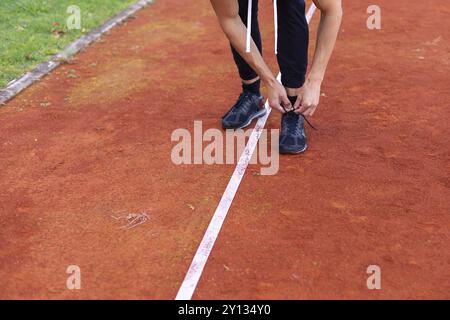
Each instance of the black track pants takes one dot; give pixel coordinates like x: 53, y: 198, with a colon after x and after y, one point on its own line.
x: 293, y: 40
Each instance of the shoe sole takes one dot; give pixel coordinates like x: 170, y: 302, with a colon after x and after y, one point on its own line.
x: 259, y: 114
x: 293, y: 152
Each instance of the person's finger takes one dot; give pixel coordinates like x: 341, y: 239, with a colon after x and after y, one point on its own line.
x: 310, y: 110
x: 307, y: 113
x: 277, y: 106
x: 285, y: 108
x: 286, y: 103
x: 302, y: 109
x: 298, y: 102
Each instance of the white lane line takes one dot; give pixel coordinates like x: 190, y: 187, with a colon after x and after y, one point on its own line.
x: 201, y: 256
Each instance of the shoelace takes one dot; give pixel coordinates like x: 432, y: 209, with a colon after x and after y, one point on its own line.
x: 307, y: 121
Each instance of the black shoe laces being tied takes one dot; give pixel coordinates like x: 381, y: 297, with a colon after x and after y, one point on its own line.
x: 301, y: 114
x: 307, y: 121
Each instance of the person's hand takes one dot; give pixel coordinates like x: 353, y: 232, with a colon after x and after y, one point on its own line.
x: 308, y: 98
x: 277, y: 97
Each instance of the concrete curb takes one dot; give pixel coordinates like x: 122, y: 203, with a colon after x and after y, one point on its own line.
x: 18, y: 85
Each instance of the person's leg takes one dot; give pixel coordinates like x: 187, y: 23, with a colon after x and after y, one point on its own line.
x: 293, y: 41
x: 249, y: 78
x: 249, y: 106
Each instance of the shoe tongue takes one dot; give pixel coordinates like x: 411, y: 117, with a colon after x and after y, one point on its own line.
x: 292, y: 115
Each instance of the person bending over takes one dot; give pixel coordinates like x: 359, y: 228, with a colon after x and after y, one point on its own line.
x: 298, y: 94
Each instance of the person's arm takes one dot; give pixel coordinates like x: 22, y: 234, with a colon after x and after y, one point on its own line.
x: 330, y: 21
x: 227, y: 12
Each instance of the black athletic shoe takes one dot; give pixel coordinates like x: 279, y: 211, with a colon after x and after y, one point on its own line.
x: 292, y: 138
x: 248, y: 107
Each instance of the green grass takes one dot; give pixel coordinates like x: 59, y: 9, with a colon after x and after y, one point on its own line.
x: 31, y: 31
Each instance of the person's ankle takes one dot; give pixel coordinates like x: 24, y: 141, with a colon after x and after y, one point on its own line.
x: 253, y: 87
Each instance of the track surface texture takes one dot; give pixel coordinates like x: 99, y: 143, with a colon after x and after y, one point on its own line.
x: 91, y: 142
